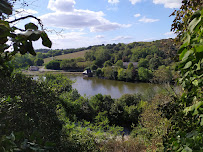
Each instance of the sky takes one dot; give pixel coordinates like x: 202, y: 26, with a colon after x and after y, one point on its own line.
x: 83, y: 23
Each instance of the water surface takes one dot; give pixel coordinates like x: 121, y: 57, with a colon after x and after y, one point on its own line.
x: 92, y: 86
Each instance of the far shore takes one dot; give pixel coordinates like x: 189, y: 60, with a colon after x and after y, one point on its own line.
x: 27, y: 72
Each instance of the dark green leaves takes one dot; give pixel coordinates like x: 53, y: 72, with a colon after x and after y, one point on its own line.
x: 31, y: 26
x: 5, y: 7
x: 45, y: 40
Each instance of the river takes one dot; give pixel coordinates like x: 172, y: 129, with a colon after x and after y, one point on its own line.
x: 92, y: 86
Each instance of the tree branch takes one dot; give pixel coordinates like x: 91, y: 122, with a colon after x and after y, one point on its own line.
x: 28, y: 16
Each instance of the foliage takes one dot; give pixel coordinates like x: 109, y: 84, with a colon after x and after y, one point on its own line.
x: 187, y: 121
x: 183, y: 15
x: 28, y: 108
x: 58, y: 83
x: 54, y: 64
x: 152, y: 125
x: 68, y: 64
x: 109, y: 73
x: 107, y: 63
x: 143, y: 63
x: 119, y: 63
x: 144, y: 74
x: 162, y: 75
x: 38, y: 61
x: 124, y: 111
x: 22, y: 61
x: 121, y: 74
x: 155, y: 62
x: 21, y: 42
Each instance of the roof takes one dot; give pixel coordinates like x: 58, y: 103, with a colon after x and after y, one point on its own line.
x: 135, y: 64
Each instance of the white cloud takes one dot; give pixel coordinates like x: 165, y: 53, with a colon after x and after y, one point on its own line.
x: 61, y: 5
x: 137, y: 15
x: 121, y: 38
x: 75, y: 18
x: 99, y: 36
x: 135, y: 1
x: 113, y: 1
x: 168, y: 33
x: 71, y: 40
x: 148, y: 20
x: 108, y: 26
x: 169, y: 3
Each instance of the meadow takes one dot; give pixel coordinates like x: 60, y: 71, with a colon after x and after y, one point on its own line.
x: 80, y: 54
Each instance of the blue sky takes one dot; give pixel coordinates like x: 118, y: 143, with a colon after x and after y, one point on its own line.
x: 91, y: 22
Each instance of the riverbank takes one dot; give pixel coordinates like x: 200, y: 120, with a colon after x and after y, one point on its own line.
x: 34, y: 73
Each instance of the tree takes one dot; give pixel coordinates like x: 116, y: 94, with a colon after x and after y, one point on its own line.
x: 143, y: 63
x: 144, y: 74
x: 39, y: 61
x: 154, y: 62
x: 119, y: 63
x: 107, y: 63
x: 162, y: 75
x: 22, y: 61
x: 68, y: 64
x: 53, y: 64
x: 121, y: 74
x: 183, y: 15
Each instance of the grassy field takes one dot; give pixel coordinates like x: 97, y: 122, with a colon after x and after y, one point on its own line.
x: 67, y: 56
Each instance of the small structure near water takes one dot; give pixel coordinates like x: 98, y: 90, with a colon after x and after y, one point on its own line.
x: 34, y: 68
x: 88, y: 73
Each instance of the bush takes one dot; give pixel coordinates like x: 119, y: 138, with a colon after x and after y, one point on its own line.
x: 68, y: 64
x: 28, y: 108
x: 54, y: 64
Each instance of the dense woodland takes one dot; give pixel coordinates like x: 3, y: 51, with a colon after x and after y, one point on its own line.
x: 48, y: 115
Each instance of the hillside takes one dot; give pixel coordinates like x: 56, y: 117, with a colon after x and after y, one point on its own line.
x: 80, y: 54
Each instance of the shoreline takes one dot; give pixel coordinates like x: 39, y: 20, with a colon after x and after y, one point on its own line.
x: 50, y: 71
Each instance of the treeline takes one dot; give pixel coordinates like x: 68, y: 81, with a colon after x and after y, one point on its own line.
x: 138, y: 61
x: 77, y: 64
x: 24, y: 61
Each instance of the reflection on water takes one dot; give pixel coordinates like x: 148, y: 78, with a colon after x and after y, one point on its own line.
x: 92, y: 86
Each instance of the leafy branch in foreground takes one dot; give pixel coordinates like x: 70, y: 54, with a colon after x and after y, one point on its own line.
x: 186, y: 133
x: 22, y: 42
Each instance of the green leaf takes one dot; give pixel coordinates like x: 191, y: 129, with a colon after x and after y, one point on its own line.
x: 34, y: 37
x: 30, y: 48
x: 201, y: 120
x: 195, y: 82
x: 186, y: 54
x: 187, y: 40
x: 194, y: 23
x: 5, y: 7
x: 187, y: 65
x: 183, y: 53
x: 12, y: 136
x: 45, y: 40
x: 187, y: 149
x: 199, y: 48
x: 31, y: 26
x: 182, y: 47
